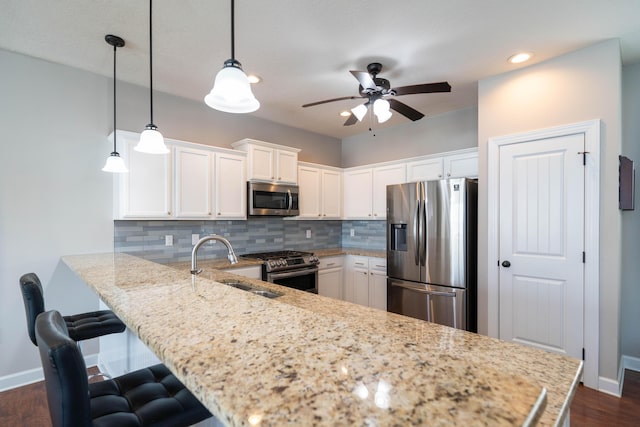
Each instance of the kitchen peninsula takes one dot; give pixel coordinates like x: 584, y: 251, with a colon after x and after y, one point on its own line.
x: 303, y: 359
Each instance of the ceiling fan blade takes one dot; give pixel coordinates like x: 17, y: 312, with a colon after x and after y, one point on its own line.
x: 423, y: 88
x: 331, y: 100
x: 405, y: 110
x: 365, y: 79
x: 351, y: 120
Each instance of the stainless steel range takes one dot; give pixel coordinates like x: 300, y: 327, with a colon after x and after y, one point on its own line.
x: 293, y: 269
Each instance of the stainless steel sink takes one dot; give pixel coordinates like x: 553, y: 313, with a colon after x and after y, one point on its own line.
x: 250, y: 288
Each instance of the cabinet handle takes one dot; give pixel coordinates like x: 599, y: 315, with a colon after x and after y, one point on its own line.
x: 210, y: 213
x: 439, y: 175
x: 359, y: 263
x: 169, y: 213
x: 330, y: 264
x: 324, y: 215
x: 319, y: 214
x: 219, y: 213
x: 375, y: 214
x: 279, y: 178
x: 449, y: 174
x: 369, y: 214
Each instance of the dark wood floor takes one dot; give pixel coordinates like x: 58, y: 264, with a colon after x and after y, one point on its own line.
x: 27, y: 406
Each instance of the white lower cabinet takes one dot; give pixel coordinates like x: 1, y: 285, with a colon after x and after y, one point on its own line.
x: 330, y: 277
x: 366, y: 281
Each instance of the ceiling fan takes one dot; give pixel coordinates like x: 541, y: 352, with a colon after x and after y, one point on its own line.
x: 381, y: 97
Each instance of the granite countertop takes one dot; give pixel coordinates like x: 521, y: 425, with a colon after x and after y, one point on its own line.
x: 304, y: 359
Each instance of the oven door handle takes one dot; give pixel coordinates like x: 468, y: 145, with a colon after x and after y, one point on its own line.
x: 295, y: 273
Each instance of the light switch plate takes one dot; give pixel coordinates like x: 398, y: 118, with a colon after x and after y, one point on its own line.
x: 308, y: 234
x: 195, y: 238
x: 168, y: 240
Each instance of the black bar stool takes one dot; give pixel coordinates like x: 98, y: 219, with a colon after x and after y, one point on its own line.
x: 148, y: 397
x: 81, y: 327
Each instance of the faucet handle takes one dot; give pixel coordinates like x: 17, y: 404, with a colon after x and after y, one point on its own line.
x: 196, y: 272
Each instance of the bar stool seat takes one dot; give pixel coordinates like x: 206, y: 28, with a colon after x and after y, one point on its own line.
x: 80, y: 327
x: 148, y: 397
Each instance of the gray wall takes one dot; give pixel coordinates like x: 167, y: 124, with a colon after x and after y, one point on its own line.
x: 579, y: 86
x: 55, y: 200
x: 630, y: 296
x: 186, y: 120
x: 445, y: 132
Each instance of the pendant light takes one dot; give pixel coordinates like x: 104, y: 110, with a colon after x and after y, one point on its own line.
x: 114, y: 163
x: 151, y: 140
x: 231, y: 91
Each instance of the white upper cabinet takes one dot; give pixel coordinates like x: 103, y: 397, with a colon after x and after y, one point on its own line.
x: 320, y: 192
x: 365, y: 190
x: 464, y: 165
x: 425, y: 169
x: 144, y: 192
x: 193, y: 179
x: 230, y: 186
x: 455, y: 165
x: 358, y: 193
x: 383, y: 176
x: 269, y: 162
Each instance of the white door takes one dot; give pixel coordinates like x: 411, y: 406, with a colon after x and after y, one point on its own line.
x: 542, y: 243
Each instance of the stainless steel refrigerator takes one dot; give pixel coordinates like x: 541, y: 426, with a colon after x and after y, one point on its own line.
x: 432, y: 251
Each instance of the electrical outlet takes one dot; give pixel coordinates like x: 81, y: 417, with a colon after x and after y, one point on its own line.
x: 195, y: 238
x: 352, y: 232
x: 308, y: 234
x: 168, y: 240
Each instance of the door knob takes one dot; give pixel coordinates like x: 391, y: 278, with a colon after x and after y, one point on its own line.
x: 506, y: 264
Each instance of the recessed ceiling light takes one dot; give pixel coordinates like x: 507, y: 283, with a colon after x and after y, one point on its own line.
x: 253, y: 78
x: 345, y: 113
x: 520, y: 57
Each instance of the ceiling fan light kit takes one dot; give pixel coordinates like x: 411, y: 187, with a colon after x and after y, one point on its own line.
x: 231, y: 91
x: 379, y: 91
x: 151, y: 140
x: 114, y: 163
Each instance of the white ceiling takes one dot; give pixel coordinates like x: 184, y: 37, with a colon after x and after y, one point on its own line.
x: 304, y: 49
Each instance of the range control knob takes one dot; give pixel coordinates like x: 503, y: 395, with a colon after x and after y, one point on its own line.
x: 314, y: 259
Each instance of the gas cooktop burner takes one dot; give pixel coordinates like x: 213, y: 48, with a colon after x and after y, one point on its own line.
x: 276, y: 254
x: 285, y: 260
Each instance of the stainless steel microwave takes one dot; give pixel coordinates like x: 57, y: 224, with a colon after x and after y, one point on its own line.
x: 266, y: 199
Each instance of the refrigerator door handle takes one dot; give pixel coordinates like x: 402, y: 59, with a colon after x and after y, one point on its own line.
x: 416, y: 226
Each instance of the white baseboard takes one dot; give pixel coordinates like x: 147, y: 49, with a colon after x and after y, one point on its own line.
x: 609, y: 386
x: 631, y: 363
x: 30, y: 376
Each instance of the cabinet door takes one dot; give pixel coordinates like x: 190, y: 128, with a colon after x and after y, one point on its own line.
x: 330, y: 282
x: 309, y: 186
x: 193, y: 181
x: 230, y: 186
x: 287, y: 166
x: 378, y: 283
x: 425, y: 170
x: 331, y: 189
x: 383, y: 176
x: 461, y: 165
x: 361, y: 286
x: 357, y: 193
x: 261, y: 163
x: 146, y: 190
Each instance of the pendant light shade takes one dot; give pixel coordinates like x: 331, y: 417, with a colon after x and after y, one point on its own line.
x: 114, y: 163
x: 151, y: 140
x: 231, y: 91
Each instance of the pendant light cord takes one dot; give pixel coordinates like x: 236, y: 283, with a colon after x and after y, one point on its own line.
x: 150, y: 66
x: 233, y: 47
x: 114, y: 99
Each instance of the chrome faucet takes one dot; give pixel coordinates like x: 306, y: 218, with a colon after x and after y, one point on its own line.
x: 231, y: 256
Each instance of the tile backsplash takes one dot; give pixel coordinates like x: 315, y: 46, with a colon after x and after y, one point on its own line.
x: 147, y: 238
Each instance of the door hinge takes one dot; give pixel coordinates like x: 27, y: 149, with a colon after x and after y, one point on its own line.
x: 584, y: 257
x: 583, y: 354
x: 584, y: 157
